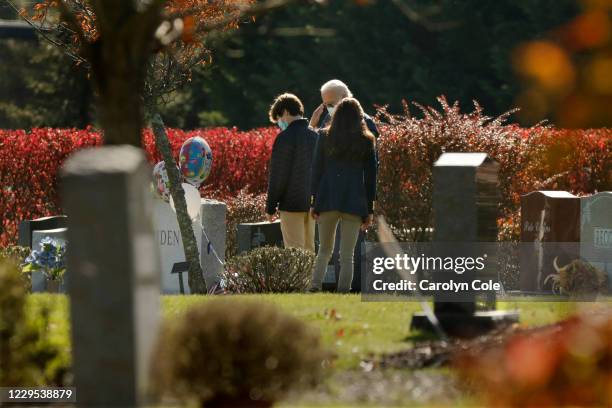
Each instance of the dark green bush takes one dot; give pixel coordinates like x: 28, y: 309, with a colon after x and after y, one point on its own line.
x: 269, y: 269
x: 28, y: 356
x: 230, y: 352
x: 17, y: 255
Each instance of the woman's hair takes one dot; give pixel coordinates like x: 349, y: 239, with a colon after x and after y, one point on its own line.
x: 285, y: 102
x: 347, y: 136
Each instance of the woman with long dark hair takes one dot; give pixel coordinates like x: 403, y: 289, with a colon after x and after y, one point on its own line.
x: 343, y: 188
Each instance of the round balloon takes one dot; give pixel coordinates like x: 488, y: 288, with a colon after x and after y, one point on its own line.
x: 195, y: 160
x: 161, y: 182
x: 192, y: 198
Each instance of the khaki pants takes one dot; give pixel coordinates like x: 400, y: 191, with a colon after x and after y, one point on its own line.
x: 349, y: 233
x: 298, y: 230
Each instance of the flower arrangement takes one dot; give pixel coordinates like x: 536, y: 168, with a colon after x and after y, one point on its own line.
x: 578, y: 279
x: 50, y: 259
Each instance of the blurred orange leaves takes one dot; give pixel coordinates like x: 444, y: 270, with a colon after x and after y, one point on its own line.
x: 566, y: 364
x: 568, y: 77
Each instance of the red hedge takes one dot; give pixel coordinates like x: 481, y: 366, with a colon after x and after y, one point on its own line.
x: 29, y: 162
x: 28, y: 167
x: 579, y: 161
x: 240, y: 159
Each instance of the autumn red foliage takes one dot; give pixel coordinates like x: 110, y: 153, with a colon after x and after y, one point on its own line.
x: 579, y: 161
x: 29, y: 163
x: 240, y: 159
x: 537, y: 158
x: 565, y: 364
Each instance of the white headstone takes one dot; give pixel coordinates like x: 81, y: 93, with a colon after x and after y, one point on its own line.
x: 596, y: 231
x: 171, y: 251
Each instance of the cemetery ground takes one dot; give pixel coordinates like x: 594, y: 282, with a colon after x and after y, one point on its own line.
x: 357, y: 332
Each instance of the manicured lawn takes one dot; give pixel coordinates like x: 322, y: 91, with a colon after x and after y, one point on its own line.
x: 353, y: 329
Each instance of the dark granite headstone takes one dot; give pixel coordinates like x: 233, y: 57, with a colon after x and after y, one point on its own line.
x: 26, y: 227
x: 596, y: 231
x: 114, y: 274
x: 465, y: 204
x: 551, y: 221
x: 257, y: 234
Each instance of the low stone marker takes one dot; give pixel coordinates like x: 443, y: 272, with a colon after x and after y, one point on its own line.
x: 213, y: 215
x: 114, y: 282
x: 256, y: 234
x: 27, y: 227
x: 551, y: 221
x: 596, y: 231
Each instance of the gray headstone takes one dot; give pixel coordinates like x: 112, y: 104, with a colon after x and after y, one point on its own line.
x: 26, y: 227
x: 213, y: 215
x: 39, y: 283
x: 170, y: 247
x: 114, y: 282
x: 596, y: 231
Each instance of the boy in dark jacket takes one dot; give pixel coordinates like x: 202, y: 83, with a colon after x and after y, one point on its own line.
x: 290, y: 172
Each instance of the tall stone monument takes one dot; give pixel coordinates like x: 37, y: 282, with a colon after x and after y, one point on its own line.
x: 465, y: 201
x: 114, y: 274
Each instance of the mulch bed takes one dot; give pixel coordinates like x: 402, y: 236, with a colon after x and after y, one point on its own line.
x: 439, y: 353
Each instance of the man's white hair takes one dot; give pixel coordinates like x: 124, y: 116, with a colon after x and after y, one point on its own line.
x: 338, y: 87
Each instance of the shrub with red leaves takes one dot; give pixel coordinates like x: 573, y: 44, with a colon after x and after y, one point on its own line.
x: 30, y: 160
x: 28, y: 173
x: 566, y: 364
x: 530, y: 159
x: 240, y: 159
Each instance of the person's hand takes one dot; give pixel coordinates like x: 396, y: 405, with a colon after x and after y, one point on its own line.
x: 271, y: 217
x: 314, y: 215
x: 367, y: 222
x: 316, y: 116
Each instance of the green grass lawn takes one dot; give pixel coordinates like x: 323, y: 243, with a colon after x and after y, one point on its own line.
x: 358, y: 330
x: 353, y: 329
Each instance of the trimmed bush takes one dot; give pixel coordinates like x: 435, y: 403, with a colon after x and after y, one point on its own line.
x: 240, y: 159
x: 269, y: 270
x: 17, y: 255
x: 537, y: 158
x: 235, y: 353
x: 29, y: 163
x: 29, y: 356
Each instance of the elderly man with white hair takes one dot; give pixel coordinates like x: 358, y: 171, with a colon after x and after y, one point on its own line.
x: 332, y: 92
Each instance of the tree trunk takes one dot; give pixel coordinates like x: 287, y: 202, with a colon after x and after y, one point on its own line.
x: 121, y: 114
x: 195, y: 275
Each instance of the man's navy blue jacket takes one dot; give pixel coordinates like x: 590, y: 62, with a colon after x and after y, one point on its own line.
x: 290, y: 168
x: 348, y: 187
